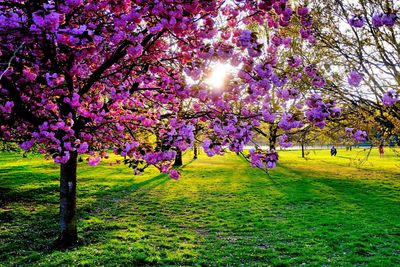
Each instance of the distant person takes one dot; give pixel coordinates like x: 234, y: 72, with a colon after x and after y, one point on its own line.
x: 381, y: 151
x: 333, y: 151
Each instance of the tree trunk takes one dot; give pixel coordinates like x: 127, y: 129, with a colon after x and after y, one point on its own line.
x: 68, y: 234
x: 195, y: 152
x: 178, y: 158
x: 272, y: 136
x: 302, y: 149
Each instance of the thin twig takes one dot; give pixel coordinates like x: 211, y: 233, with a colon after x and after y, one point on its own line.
x: 11, y: 59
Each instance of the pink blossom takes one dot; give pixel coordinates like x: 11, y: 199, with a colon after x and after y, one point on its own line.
x: 135, y: 51
x: 63, y: 158
x: 27, y: 144
x: 83, y: 148
x: 93, y: 161
x: 73, y: 3
x: 174, y: 174
x: 7, y: 108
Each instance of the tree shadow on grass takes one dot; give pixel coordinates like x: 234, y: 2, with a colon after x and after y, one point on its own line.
x: 131, y: 222
x: 29, y: 216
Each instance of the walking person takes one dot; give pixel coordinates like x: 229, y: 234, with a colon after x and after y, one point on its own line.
x: 333, y: 151
x: 381, y: 151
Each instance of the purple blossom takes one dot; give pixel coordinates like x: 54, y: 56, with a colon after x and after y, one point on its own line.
x: 310, y: 70
x: 390, y: 98
x: 263, y: 159
x: 279, y: 81
x: 286, y: 94
x: 306, y: 21
x: 360, y: 135
x: 288, y: 122
x: 305, y: 33
x: 357, y: 21
x: 377, y: 20
x: 284, y: 141
x: 318, y: 81
x: 267, y: 116
x: 27, y: 144
x: 357, y: 135
x: 83, y: 148
x: 384, y: 19
x: 211, y: 148
x: 245, y: 38
x: 354, y: 78
x: 7, y: 108
x: 294, y: 61
x: 302, y: 11
x: 174, y: 174
x: 389, y: 19
x: 135, y: 51
x: 263, y: 70
x: 93, y: 161
x: 276, y: 40
x: 63, y: 158
x: 73, y: 3
x: 319, y: 110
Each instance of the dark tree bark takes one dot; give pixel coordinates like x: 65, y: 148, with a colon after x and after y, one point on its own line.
x: 195, y: 150
x: 178, y: 158
x: 68, y: 231
x: 302, y: 149
x: 273, y: 129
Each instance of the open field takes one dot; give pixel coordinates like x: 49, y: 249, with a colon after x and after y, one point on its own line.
x: 323, y: 211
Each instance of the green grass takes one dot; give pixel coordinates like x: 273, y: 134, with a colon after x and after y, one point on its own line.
x: 323, y: 211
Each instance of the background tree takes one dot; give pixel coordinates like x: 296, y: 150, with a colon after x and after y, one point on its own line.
x: 359, y: 42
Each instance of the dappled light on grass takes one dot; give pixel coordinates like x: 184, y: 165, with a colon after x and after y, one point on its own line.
x: 221, y: 212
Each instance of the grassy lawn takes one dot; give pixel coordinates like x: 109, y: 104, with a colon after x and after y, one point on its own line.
x: 323, y: 211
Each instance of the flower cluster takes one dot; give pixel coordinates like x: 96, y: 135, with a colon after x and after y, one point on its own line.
x: 180, y: 134
x: 261, y: 159
x: 384, y: 19
x: 357, y: 135
x: 294, y: 61
x: 318, y: 110
x: 390, y: 98
x: 288, y: 122
x: 286, y: 94
x: 248, y: 40
x: 284, y: 141
x: 354, y: 78
x: 306, y: 23
x: 357, y: 21
x: 378, y: 19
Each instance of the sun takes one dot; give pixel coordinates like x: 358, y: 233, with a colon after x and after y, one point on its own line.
x: 218, y: 74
